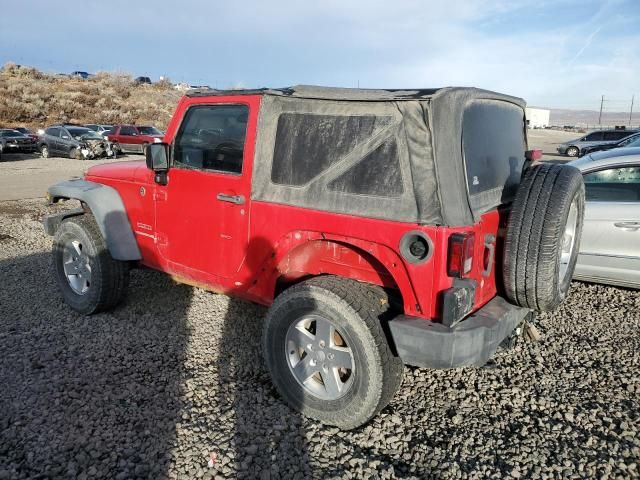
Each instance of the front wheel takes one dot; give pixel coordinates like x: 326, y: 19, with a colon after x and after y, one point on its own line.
x: 89, y: 278
x: 44, y: 151
x: 75, y: 154
x: 325, y: 348
x: 573, y: 151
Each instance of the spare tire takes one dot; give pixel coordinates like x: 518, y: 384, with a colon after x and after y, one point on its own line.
x: 543, y: 236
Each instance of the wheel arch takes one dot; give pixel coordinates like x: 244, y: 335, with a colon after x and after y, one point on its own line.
x: 107, y: 207
x: 303, y: 255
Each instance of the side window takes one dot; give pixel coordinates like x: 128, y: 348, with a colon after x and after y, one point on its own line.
x: 593, y: 137
x: 613, y: 185
x: 307, y: 145
x: 127, y: 130
x: 212, y: 137
x: 611, y: 136
x: 378, y: 174
x: 628, y: 140
x: 53, y: 131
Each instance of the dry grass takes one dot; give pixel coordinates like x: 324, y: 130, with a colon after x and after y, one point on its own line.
x: 31, y: 98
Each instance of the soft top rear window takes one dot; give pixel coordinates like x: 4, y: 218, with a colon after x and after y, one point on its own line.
x: 493, y: 146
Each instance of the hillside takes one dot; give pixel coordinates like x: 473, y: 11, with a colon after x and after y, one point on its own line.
x: 31, y: 98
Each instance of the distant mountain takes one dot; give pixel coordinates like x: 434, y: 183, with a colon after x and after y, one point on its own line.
x: 584, y: 118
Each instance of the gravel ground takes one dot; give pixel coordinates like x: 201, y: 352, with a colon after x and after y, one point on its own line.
x: 171, y: 384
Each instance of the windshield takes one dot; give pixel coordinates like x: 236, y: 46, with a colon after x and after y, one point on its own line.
x: 79, y: 132
x: 634, y: 143
x: 10, y: 133
x: 91, y: 136
x: 149, y: 131
x: 23, y: 130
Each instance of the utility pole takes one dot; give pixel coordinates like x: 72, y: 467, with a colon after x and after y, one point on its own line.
x: 631, y: 109
x: 600, y: 117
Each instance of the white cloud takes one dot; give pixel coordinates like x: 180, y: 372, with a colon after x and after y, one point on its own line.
x: 547, y: 51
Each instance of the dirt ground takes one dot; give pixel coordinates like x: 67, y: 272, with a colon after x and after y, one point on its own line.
x: 548, y: 141
x: 29, y: 176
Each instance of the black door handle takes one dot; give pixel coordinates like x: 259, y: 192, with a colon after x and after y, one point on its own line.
x: 236, y: 199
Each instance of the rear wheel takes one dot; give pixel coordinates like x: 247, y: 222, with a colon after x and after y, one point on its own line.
x: 573, y: 151
x: 326, y: 351
x: 543, y: 236
x: 115, y: 148
x: 90, y: 280
x: 144, y: 148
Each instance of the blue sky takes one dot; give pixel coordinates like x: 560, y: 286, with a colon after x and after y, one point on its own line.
x: 556, y: 53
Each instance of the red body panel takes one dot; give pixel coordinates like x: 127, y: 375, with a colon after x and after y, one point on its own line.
x: 246, y: 249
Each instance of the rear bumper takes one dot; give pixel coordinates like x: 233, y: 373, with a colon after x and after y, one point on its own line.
x: 471, y: 342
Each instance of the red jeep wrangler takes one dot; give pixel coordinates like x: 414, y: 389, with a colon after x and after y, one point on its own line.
x: 382, y: 227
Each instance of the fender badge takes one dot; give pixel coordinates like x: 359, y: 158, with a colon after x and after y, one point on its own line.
x: 142, y: 191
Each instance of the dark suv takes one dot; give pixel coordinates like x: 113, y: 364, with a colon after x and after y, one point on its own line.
x: 71, y: 141
x: 382, y: 227
x: 576, y: 147
x: 13, y: 141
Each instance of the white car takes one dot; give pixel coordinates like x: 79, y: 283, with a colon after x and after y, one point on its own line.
x: 610, y: 246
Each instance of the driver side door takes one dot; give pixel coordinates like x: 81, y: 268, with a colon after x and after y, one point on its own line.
x: 203, y: 212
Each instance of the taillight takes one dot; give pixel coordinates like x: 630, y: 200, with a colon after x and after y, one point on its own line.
x: 460, y: 259
x: 533, y: 155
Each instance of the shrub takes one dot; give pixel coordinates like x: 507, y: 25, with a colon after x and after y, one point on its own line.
x: 31, y: 98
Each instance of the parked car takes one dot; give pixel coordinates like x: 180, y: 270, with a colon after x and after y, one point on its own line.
x: 143, y: 81
x: 610, y: 247
x: 27, y: 132
x: 12, y: 141
x: 381, y: 226
x: 80, y: 74
x: 630, y: 141
x: 573, y: 148
x: 99, y: 128
x: 73, y: 141
x: 134, y: 138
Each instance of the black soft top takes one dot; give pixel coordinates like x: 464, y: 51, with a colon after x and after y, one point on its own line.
x: 354, y: 94
x: 396, y: 154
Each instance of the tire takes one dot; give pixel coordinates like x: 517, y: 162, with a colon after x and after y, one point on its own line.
x: 356, y: 311
x: 573, y: 151
x: 543, y: 236
x: 144, y: 148
x: 115, y: 148
x: 44, y: 151
x: 106, y: 283
x: 75, y: 154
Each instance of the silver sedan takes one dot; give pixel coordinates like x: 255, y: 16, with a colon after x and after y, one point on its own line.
x: 610, y: 246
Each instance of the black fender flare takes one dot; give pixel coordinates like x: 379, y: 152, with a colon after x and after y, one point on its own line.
x: 107, y: 208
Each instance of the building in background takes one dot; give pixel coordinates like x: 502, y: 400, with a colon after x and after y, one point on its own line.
x: 537, y: 117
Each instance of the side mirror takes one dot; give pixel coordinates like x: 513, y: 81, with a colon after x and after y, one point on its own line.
x: 158, y: 157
